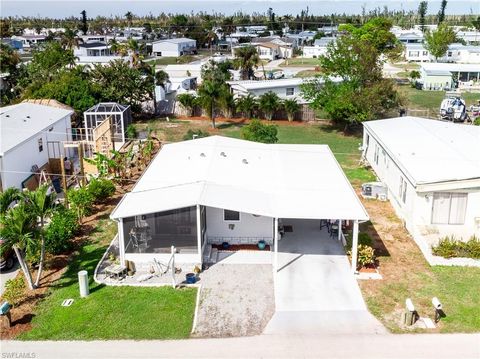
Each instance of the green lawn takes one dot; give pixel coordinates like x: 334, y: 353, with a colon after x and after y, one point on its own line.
x: 110, y: 312
x: 173, y: 60
x: 299, y: 61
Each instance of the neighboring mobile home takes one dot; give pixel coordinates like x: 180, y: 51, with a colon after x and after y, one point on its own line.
x: 432, y: 171
x: 30, y: 134
x: 216, y: 189
x: 174, y: 47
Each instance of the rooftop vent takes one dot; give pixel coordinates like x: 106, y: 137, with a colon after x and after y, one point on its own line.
x: 28, y: 116
x: 202, y: 155
x: 245, y: 161
x: 223, y: 154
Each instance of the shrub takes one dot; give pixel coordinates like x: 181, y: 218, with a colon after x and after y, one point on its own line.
x: 14, y: 290
x: 81, y: 201
x: 60, y: 231
x: 363, y: 239
x: 449, y: 247
x: 476, y: 122
x: 198, y: 133
x: 131, y: 131
x: 100, y: 189
x: 259, y: 132
x: 366, y: 255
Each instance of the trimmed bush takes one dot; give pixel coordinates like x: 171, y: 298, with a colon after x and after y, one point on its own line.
x: 62, y: 228
x: 366, y: 255
x: 81, y: 201
x: 476, y: 122
x: 363, y: 239
x: 101, y: 189
x: 14, y: 290
x: 449, y: 247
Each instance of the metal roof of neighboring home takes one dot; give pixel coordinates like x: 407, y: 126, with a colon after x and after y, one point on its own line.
x: 284, y: 181
x: 20, y: 122
x: 90, y: 45
x: 452, y: 67
x: 430, y: 151
x: 175, y: 41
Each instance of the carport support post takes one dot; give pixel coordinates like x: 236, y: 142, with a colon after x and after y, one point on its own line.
x: 339, y: 230
x: 199, y: 234
x: 354, y: 246
x: 275, y: 245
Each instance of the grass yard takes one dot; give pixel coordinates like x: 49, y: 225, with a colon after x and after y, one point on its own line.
x: 173, y: 60
x: 300, y: 62
x: 110, y: 312
x: 308, y: 73
x: 406, y: 274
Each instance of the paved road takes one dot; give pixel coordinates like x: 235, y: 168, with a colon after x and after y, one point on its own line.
x: 454, y: 346
x: 315, y: 290
x: 4, y: 276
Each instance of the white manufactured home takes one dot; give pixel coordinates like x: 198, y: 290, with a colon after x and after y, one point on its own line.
x: 30, y: 134
x: 205, y: 192
x: 432, y: 171
x: 174, y: 47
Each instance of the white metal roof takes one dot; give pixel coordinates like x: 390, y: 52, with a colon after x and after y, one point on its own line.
x: 452, y: 67
x: 285, y: 181
x: 430, y: 151
x: 20, y: 122
x: 179, y: 40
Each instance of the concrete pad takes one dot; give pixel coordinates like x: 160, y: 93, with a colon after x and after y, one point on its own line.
x: 315, y: 289
x: 245, y: 257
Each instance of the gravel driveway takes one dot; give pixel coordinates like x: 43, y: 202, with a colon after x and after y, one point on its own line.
x: 235, y: 300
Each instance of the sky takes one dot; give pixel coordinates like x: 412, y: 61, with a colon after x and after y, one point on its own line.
x: 67, y: 8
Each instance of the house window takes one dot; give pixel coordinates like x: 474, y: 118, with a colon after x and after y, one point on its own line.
x: 231, y: 215
x: 449, y: 54
x: 425, y: 53
x: 40, y: 144
x: 375, y: 155
x: 449, y: 208
x: 402, y: 191
x: 290, y: 91
x: 414, y: 53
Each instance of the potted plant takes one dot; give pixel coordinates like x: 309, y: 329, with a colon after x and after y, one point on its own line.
x: 261, y: 245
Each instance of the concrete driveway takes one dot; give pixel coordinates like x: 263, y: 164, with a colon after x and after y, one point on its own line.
x: 315, y: 290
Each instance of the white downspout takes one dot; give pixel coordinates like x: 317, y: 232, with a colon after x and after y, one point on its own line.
x: 355, y: 246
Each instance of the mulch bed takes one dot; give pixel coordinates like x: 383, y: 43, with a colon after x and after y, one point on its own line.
x: 240, y: 247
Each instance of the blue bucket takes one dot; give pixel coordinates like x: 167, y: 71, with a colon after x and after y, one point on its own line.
x: 191, y: 278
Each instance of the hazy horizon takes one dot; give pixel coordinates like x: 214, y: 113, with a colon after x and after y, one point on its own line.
x: 61, y: 9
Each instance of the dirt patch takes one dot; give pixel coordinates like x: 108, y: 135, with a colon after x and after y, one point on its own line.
x: 235, y: 300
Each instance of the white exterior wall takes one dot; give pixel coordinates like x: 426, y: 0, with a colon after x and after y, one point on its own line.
x: 313, y: 51
x: 17, y: 162
x: 248, y: 226
x: 435, y: 82
x: 417, y: 209
x: 280, y: 91
x: 172, y: 49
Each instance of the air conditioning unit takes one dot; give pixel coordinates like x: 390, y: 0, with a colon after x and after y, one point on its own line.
x: 375, y: 190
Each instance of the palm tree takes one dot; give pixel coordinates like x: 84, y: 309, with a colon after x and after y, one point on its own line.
x: 228, y: 103
x: 246, y: 59
x: 69, y: 39
x: 41, y: 204
x: 161, y: 78
x: 246, y: 105
x: 129, y: 17
x: 18, y: 232
x: 115, y: 46
x: 7, y: 198
x: 269, y: 102
x: 188, y: 101
x: 210, y: 94
x: 291, y: 107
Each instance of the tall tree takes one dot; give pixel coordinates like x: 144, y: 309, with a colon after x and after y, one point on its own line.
x: 188, y: 101
x: 291, y: 107
x: 422, y: 12
x: 246, y: 59
x: 84, y: 25
x: 210, y: 94
x: 441, y: 13
x: 69, y: 39
x: 247, y: 104
x: 129, y: 17
x: 437, y: 41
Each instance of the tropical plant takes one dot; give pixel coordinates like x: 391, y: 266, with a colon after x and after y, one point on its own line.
x: 41, y: 203
x: 247, y: 105
x: 291, y: 107
x: 131, y: 131
x: 246, y: 59
x: 69, y: 39
x: 18, y: 227
x: 366, y: 255
x: 104, y: 164
x: 228, y: 103
x: 101, y: 189
x: 81, y: 201
x: 413, y: 76
x: 8, y: 198
x: 161, y: 78
x: 14, y: 290
x: 188, y: 101
x: 269, y: 102
x: 62, y: 228
x: 259, y: 132
x: 209, y: 96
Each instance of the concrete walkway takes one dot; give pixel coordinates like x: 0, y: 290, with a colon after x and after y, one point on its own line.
x: 438, y: 346
x: 315, y: 290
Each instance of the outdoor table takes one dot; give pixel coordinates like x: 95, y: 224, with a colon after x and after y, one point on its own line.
x: 115, y: 271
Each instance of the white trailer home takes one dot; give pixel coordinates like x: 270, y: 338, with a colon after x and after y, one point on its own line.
x: 174, y: 47
x: 200, y: 193
x: 432, y: 171
x: 30, y: 134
